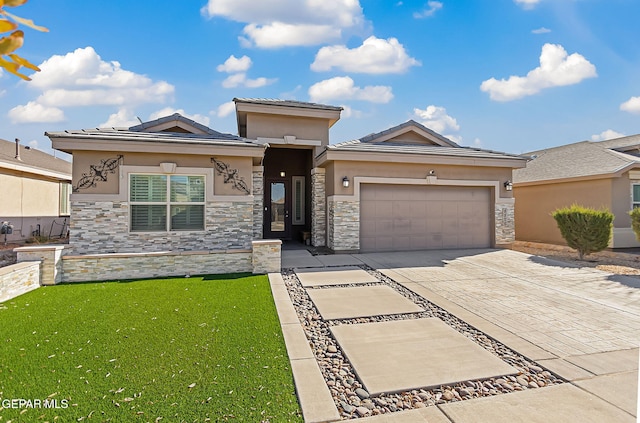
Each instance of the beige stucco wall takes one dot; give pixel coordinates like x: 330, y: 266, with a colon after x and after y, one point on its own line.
x: 339, y: 169
x: 23, y: 195
x: 82, y: 160
x: 273, y: 126
x: 534, y: 205
x: 622, y: 200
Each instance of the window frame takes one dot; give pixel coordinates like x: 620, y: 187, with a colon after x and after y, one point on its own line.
x: 634, y: 203
x: 168, y: 203
x: 64, y: 198
x: 298, y: 201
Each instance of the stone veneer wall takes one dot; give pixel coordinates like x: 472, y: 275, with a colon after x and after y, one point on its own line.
x: 267, y: 256
x: 318, y: 207
x: 49, y: 257
x: 100, y: 267
x: 103, y: 227
x: 258, y: 201
x: 18, y: 279
x: 344, y: 225
x: 505, y: 231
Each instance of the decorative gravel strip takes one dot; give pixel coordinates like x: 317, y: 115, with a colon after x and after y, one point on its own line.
x: 353, y: 401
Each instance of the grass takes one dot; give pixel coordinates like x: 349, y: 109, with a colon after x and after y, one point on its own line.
x: 169, y: 350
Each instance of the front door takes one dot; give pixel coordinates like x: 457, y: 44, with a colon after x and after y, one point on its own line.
x: 277, y: 218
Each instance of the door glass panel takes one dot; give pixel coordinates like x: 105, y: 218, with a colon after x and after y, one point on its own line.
x: 277, y: 207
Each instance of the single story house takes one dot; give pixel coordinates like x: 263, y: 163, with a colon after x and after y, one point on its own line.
x: 35, y: 192
x: 175, y: 186
x: 604, y: 174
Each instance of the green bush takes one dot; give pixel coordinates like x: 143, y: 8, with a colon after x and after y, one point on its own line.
x: 635, y: 221
x: 585, y: 230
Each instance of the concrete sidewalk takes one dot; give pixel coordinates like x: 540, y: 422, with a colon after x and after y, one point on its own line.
x: 582, y: 324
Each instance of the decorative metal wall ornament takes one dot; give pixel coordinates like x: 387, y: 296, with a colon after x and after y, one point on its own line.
x: 230, y: 176
x: 98, y: 173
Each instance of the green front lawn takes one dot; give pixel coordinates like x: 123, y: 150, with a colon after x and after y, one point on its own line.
x: 165, y: 350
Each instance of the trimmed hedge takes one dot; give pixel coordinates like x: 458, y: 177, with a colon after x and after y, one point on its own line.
x: 585, y: 230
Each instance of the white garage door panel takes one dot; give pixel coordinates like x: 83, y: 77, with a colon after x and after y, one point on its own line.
x: 410, y: 217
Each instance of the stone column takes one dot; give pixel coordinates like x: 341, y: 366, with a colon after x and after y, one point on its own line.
x: 344, y: 225
x: 258, y: 201
x: 50, y: 257
x: 266, y: 256
x: 318, y: 207
x: 505, y: 231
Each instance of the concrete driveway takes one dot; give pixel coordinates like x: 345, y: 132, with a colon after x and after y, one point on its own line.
x: 580, y: 323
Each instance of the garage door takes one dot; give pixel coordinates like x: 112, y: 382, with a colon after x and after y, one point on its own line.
x: 410, y: 217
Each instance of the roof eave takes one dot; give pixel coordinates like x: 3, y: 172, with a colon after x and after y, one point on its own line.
x: 404, y: 157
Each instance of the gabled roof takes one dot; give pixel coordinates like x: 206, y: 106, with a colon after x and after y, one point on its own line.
x: 409, y: 126
x: 286, y: 103
x: 160, y: 132
x: 434, y: 144
x: 33, y: 161
x: 175, y: 122
x: 585, y: 159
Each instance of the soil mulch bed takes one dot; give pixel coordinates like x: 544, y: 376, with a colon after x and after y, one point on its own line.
x: 616, y: 262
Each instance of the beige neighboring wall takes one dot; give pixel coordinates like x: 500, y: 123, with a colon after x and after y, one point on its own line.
x: 82, y: 160
x: 274, y: 126
x: 339, y: 169
x: 25, y: 196
x: 535, y: 203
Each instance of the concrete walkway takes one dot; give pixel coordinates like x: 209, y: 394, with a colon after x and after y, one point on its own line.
x: 580, y: 323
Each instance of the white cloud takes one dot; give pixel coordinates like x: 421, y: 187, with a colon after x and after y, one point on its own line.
x: 234, y: 64
x: 279, y: 23
x: 436, y: 119
x: 609, y: 134
x: 168, y: 111
x: 375, y: 56
x: 33, y: 112
x: 82, y: 78
x: 33, y: 144
x: 124, y: 117
x: 430, y: 10
x: 225, y: 109
x: 241, y: 80
x: 280, y: 34
x: 343, y: 88
x: 557, y: 68
x: 541, y: 30
x: 527, y: 4
x: 632, y: 105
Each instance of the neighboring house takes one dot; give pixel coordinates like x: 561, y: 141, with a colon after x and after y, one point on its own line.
x: 603, y: 174
x: 35, y: 192
x: 175, y: 185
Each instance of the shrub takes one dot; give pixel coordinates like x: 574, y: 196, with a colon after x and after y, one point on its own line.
x: 635, y: 221
x: 585, y: 230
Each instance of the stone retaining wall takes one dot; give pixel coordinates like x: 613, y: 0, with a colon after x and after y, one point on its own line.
x: 18, y: 279
x: 100, y: 267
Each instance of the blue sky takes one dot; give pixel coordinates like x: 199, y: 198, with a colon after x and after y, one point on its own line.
x: 507, y: 75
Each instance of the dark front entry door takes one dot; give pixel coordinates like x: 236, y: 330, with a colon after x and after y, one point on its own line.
x: 277, y: 220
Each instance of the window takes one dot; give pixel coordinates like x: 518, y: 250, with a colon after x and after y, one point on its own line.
x: 166, y: 203
x: 65, y: 191
x: 298, y: 200
x: 635, y: 195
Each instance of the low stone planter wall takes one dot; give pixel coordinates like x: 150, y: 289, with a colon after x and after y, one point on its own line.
x: 18, y: 279
x: 263, y: 257
x: 100, y: 267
